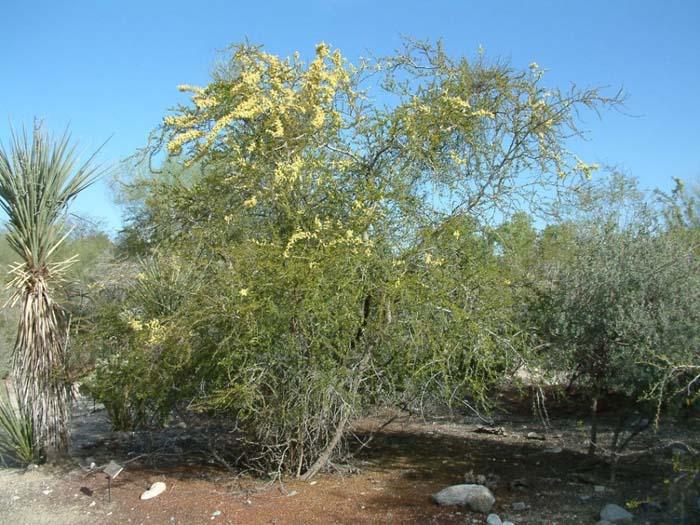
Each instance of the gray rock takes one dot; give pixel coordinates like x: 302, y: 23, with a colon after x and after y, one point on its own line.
x: 508, y: 523
x: 552, y: 450
x: 493, y: 519
x: 519, y: 505
x: 476, y: 497
x: 615, y: 514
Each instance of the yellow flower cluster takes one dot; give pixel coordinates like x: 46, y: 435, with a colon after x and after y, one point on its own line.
x: 288, y: 172
x: 585, y: 169
x: 250, y: 203
x: 483, y: 113
x: 432, y: 261
x: 156, y: 332
x: 272, y: 92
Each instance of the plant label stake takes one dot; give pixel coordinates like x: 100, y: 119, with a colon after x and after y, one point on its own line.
x: 112, y: 470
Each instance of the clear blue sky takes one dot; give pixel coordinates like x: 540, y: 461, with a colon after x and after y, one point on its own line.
x: 111, y: 68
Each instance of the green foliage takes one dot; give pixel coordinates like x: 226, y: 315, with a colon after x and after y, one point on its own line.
x: 333, y: 243
x: 17, y: 432
x: 621, y: 313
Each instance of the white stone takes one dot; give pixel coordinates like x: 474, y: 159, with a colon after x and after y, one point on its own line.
x: 493, y: 519
x: 155, y: 490
x: 476, y: 497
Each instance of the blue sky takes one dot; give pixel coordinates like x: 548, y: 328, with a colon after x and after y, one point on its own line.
x: 110, y: 68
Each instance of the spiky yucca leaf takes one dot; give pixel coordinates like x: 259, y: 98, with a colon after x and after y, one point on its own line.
x: 17, y: 431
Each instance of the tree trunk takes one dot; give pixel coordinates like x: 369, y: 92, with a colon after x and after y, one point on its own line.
x: 593, y: 441
x: 39, y: 366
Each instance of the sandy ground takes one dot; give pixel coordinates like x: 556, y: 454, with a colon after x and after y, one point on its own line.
x: 392, y: 479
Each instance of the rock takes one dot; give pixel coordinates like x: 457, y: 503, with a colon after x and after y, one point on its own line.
x: 492, y: 481
x: 155, y: 490
x: 603, y: 522
x: 552, y: 450
x: 519, y: 505
x: 476, y: 497
x: 493, y: 519
x: 292, y: 493
x: 216, y: 513
x: 615, y: 514
x: 536, y: 436
x: 519, y: 484
x: 508, y: 523
x: 495, y: 431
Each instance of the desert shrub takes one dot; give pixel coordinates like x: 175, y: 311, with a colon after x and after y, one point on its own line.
x: 335, y: 242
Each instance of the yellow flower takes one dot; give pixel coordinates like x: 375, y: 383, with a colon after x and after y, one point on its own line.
x: 135, y: 325
x: 243, y: 292
x: 456, y: 234
x: 156, y: 332
x: 250, y: 202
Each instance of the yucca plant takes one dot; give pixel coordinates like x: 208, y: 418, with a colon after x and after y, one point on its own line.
x: 39, y: 177
x: 17, y: 431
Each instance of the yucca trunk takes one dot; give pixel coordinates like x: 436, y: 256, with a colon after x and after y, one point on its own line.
x: 40, y: 367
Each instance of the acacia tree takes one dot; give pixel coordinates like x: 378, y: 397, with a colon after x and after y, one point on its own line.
x: 336, y: 230
x: 39, y: 178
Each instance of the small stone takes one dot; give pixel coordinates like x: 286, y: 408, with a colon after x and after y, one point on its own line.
x: 615, y: 514
x: 599, y: 488
x: 535, y: 436
x: 46, y: 492
x: 216, y: 513
x: 155, y: 490
x: 15, y: 498
x: 584, y: 497
x: 552, y: 450
x: 476, y: 497
x: 313, y: 482
x: 493, y: 519
x: 92, y: 504
x: 519, y: 505
x: 292, y: 493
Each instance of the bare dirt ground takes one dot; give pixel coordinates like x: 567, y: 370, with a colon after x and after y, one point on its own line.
x: 390, y: 481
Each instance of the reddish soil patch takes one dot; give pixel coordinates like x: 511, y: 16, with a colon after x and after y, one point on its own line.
x: 395, y: 476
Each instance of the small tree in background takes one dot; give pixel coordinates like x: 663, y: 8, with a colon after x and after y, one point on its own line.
x: 39, y: 178
x: 621, y: 312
